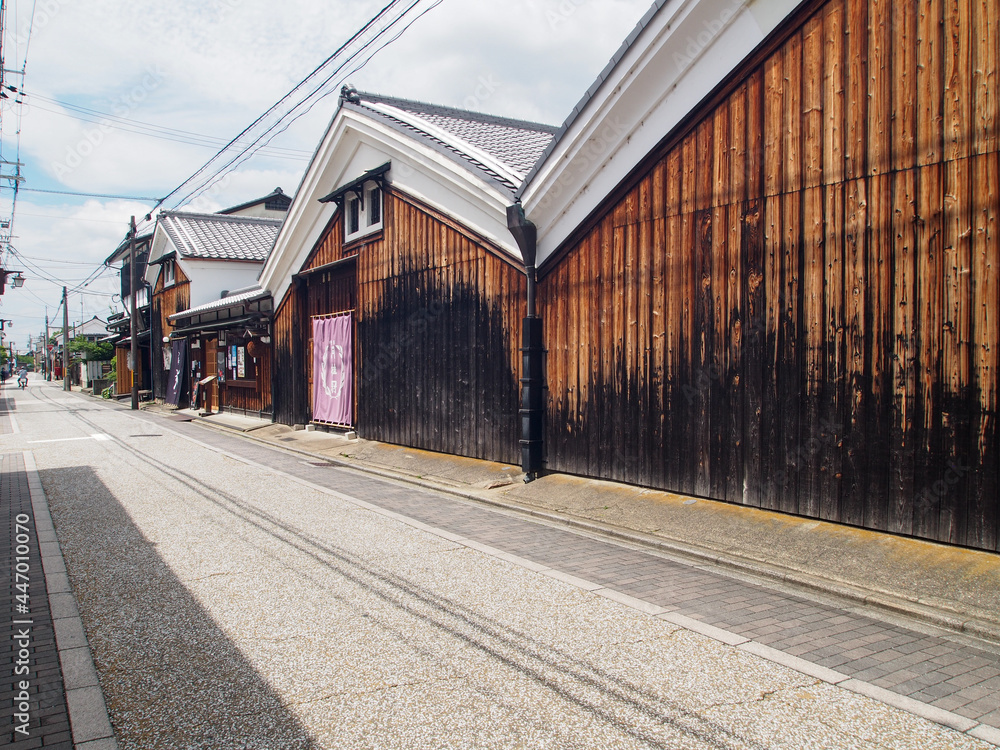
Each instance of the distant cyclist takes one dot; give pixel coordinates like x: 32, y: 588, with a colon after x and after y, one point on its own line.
x: 22, y: 376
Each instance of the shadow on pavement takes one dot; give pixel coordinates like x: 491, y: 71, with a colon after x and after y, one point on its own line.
x: 171, y: 677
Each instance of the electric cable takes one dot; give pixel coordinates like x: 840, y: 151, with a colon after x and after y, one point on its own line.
x: 305, y: 82
x: 154, y: 131
x: 242, y: 157
x: 143, y: 199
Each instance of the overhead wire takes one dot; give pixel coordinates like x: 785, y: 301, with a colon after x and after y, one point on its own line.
x: 304, y: 83
x: 93, y: 195
x: 312, y: 98
x: 18, y: 104
x: 138, y: 127
x: 244, y: 150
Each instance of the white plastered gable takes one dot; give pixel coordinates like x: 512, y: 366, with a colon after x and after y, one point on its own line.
x: 356, y: 143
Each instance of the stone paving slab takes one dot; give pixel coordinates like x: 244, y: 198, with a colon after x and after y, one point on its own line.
x: 950, y: 680
x: 48, y: 716
x: 65, y: 705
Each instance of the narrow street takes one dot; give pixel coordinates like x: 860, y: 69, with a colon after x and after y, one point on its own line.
x: 237, y: 596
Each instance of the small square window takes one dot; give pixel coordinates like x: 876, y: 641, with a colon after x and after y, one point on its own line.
x: 374, y: 207
x: 362, y: 212
x: 353, y: 215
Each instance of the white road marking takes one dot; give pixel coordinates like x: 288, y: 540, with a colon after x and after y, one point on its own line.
x: 98, y: 437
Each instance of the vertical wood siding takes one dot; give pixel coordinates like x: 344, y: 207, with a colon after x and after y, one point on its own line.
x: 166, y: 302
x: 794, y: 304
x: 251, y: 399
x: 437, y: 318
x: 288, y: 386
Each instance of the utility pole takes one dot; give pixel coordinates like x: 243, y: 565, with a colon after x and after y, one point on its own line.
x: 65, y: 342
x: 134, y: 323
x: 47, y: 352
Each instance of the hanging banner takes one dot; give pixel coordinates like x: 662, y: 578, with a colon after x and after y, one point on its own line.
x: 176, y: 372
x: 333, y: 371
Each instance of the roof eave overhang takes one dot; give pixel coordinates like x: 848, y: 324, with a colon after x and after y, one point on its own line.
x: 377, y: 175
x: 411, y: 160
x: 680, y: 53
x: 221, y: 308
x: 250, y: 320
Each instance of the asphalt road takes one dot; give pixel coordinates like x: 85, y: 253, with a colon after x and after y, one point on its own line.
x: 229, y: 605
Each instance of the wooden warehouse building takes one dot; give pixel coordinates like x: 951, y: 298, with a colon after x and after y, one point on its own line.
x: 399, y: 230
x: 195, y: 260
x: 768, y: 244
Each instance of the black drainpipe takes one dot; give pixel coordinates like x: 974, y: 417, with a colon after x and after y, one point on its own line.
x: 532, y: 352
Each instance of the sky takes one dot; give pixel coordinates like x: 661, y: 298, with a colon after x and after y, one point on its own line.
x: 199, y: 72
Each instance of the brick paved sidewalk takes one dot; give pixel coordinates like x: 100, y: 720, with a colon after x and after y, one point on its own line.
x: 42, y: 641
x: 947, y: 678
x: 46, y: 723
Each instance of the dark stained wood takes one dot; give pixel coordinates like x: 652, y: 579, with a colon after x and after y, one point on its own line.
x: 437, y: 313
x: 165, y: 301
x: 984, y: 450
x: 791, y: 304
x: 904, y: 354
x: 756, y: 474
x: 985, y: 99
x: 879, y: 347
x: 928, y: 460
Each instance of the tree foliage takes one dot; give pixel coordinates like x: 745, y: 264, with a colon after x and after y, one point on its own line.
x: 100, y: 351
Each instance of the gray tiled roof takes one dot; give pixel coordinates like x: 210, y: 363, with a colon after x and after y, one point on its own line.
x: 235, y: 298
x: 219, y: 237
x: 515, y: 144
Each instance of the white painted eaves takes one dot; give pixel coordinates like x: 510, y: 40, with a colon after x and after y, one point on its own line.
x: 417, y: 169
x: 679, y: 53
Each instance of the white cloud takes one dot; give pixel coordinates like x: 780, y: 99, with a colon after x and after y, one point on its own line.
x: 212, y: 66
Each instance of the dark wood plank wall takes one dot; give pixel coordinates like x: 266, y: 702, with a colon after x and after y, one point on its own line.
x: 793, y: 304
x: 288, y: 393
x: 438, y: 312
x: 252, y: 399
x: 166, y: 302
x: 291, y: 376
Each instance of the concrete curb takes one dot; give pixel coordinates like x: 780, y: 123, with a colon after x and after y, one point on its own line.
x: 937, y: 616
x: 802, y: 666
x: 88, y: 713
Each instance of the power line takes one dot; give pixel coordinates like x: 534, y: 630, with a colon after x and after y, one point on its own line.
x: 315, y: 96
x: 53, y: 217
x: 154, y: 131
x: 91, y: 195
x: 60, y: 261
x: 200, y: 185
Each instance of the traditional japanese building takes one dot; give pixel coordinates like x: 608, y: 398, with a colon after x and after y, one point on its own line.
x: 194, y: 262
x: 767, y: 241
x: 398, y: 235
